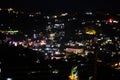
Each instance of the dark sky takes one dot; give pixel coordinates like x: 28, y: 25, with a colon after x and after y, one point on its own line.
x: 60, y: 4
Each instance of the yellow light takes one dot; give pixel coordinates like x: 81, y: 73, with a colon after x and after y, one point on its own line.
x: 74, y: 74
x: 64, y: 14
x: 98, y: 60
x: 91, y: 32
x: 52, y: 36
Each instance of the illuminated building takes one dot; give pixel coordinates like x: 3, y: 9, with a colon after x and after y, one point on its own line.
x: 76, y: 48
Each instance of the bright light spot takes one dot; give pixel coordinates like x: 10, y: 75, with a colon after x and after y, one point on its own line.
x: 110, y: 20
x: 10, y: 9
x: 9, y: 79
x: 43, y: 42
x: 64, y: 14
x: 66, y: 60
x: 15, y: 43
x: 88, y: 13
x: 30, y: 43
x: 46, y: 54
x: 12, y: 32
x: 57, y: 52
x: 90, y: 31
x: 74, y: 74
x: 116, y: 64
x: 115, y: 21
x: 52, y: 36
x: 55, y: 16
x: 31, y: 15
x: 55, y: 71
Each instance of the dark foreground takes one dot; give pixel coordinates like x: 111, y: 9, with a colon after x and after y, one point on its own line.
x: 21, y: 64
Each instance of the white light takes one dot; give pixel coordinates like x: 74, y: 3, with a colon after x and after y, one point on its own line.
x: 101, y: 49
x: 83, y: 23
x: 9, y: 79
x: 0, y: 70
x: 57, y: 52
x: 55, y: 71
x: 46, y: 54
x: 115, y: 21
x: 16, y: 44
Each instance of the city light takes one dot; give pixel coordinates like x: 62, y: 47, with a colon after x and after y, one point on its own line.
x: 9, y: 79
x: 10, y: 9
x: 43, y: 42
x: 91, y: 32
x: 66, y: 44
x: 64, y: 14
x: 110, y: 20
x: 74, y: 74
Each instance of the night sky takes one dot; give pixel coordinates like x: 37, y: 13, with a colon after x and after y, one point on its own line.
x: 60, y: 4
